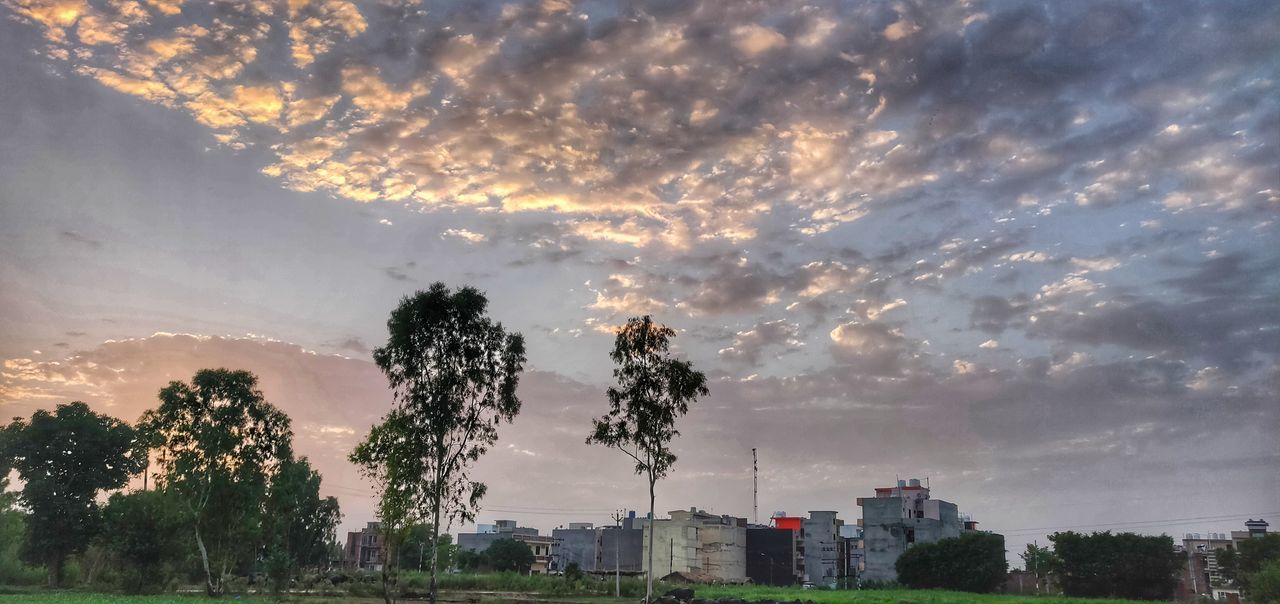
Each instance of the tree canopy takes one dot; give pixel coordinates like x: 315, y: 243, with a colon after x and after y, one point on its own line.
x: 652, y: 390
x: 1123, y: 565
x: 509, y: 555
x: 219, y: 442
x: 65, y: 458
x: 453, y: 374
x: 973, y: 562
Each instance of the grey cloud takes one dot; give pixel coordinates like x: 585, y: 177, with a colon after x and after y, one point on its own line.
x: 994, y: 314
x: 749, y: 346
x: 77, y: 238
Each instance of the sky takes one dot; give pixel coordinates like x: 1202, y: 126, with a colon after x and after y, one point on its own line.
x: 1027, y: 251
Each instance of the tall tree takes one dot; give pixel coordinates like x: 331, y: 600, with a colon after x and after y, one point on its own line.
x: 220, y: 443
x: 453, y: 373
x: 653, y: 389
x: 391, y: 459
x: 1039, y: 561
x: 65, y: 459
x: 299, y: 524
x: 972, y: 562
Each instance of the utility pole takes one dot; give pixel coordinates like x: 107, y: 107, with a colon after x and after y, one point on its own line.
x: 617, y: 541
x: 1036, y: 560
x: 671, y: 557
x: 755, y: 488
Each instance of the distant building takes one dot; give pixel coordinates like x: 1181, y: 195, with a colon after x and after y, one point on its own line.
x: 508, y: 529
x: 899, y: 517
x: 599, y: 549
x: 1202, y: 576
x: 823, y: 547
x: 773, y: 556
x: 698, y: 545
x: 364, y: 548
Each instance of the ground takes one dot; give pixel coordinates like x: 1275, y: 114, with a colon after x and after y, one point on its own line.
x: 748, y: 593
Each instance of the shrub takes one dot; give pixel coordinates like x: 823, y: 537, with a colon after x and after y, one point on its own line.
x: 972, y: 562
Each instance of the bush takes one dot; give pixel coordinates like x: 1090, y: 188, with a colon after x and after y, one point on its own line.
x: 972, y: 562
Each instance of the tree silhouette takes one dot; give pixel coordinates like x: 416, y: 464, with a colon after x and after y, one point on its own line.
x: 652, y: 391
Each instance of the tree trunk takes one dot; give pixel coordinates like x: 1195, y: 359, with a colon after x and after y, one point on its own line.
x: 204, y: 559
x: 648, y: 588
x: 435, y: 551
x: 388, y: 544
x: 55, y: 571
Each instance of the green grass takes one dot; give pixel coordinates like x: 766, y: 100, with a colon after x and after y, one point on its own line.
x: 876, y: 596
x: 508, y: 588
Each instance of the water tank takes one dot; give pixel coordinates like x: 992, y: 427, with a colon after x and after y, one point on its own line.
x: 902, y: 483
x: 915, y: 482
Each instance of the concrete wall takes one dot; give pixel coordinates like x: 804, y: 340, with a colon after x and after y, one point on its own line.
x: 627, y: 544
x: 697, y: 543
x: 771, y: 556
x: 891, y: 525
x: 823, y: 548
x: 576, y: 545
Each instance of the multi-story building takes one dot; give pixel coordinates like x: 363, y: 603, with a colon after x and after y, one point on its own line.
x: 602, y: 549
x: 363, y: 549
x: 772, y: 556
x: 1202, y: 575
x: 822, y: 548
x: 509, y: 529
x: 899, y: 517
x: 697, y: 544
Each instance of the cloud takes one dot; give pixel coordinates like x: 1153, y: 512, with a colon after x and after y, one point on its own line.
x: 729, y: 109
x: 748, y: 346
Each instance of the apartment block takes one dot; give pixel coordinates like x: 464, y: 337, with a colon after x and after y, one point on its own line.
x: 697, y: 544
x: 899, y: 517
x: 599, y: 549
x: 541, y: 545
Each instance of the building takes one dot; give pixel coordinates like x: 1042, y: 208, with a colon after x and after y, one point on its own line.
x: 773, y: 557
x: 363, y: 549
x: 899, y: 517
x: 698, y: 545
x: 822, y: 548
x: 601, y: 549
x: 1202, y: 575
x: 541, y: 545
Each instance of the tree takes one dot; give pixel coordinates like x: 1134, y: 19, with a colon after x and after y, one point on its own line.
x: 1039, y: 561
x: 65, y: 459
x: 299, y: 524
x: 509, y: 555
x: 1124, y: 565
x: 972, y: 562
x: 1264, y: 585
x: 417, y: 542
x: 453, y: 373
x: 141, y: 530
x: 1242, y: 564
x: 652, y: 390
x: 13, y: 523
x: 220, y: 443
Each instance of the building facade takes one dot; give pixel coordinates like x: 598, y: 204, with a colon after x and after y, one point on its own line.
x: 599, y: 549
x: 697, y: 544
x: 540, y: 545
x: 363, y: 549
x: 899, y: 517
x: 772, y: 557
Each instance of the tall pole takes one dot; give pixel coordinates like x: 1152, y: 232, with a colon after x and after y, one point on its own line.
x: 617, y: 541
x: 755, y: 488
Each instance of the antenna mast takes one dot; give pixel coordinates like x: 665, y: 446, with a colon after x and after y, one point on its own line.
x: 755, y: 488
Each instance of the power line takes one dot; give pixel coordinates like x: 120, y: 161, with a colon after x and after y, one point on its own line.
x: 1134, y: 524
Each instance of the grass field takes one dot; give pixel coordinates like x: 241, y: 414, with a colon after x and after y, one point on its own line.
x: 748, y: 593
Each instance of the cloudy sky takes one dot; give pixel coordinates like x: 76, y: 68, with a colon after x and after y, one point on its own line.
x: 1026, y: 250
